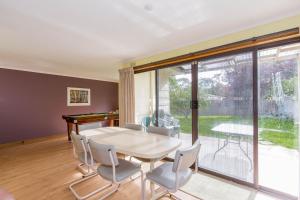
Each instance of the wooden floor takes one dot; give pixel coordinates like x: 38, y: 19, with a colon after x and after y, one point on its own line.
x: 44, y: 169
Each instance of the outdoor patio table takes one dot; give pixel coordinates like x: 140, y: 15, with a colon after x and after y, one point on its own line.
x: 239, y: 131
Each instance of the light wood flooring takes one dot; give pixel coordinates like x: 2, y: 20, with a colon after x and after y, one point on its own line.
x: 44, y: 169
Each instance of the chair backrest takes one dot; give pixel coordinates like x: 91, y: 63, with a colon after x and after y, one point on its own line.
x: 157, y: 117
x: 186, y: 157
x: 146, y: 121
x: 88, y: 126
x: 160, y: 130
x: 103, y: 153
x: 77, y: 143
x: 136, y: 127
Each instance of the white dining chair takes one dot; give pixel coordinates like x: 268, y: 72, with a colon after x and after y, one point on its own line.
x: 82, y: 154
x: 164, y: 131
x: 110, y: 168
x: 173, y: 175
x: 136, y: 127
x: 160, y: 130
x: 88, y: 126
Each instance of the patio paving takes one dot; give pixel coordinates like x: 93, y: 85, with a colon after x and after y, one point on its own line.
x: 278, y: 166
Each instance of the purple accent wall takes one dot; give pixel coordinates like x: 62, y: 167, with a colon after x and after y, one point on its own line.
x: 31, y: 104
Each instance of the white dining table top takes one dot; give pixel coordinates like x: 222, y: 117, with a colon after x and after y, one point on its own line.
x: 134, y: 143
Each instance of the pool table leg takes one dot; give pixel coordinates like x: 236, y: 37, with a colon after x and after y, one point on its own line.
x: 77, y: 130
x: 111, y: 122
x: 69, y: 127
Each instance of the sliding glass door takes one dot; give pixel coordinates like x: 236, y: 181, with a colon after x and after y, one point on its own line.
x: 174, y: 96
x: 279, y: 118
x: 225, y: 115
x: 248, y: 114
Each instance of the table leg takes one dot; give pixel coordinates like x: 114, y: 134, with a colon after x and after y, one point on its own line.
x: 247, y: 146
x: 77, y: 129
x: 69, y: 128
x: 217, y: 135
x: 245, y: 153
x: 111, y: 122
x: 226, y: 142
x: 151, y: 183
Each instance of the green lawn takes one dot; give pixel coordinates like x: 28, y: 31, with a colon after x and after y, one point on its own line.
x: 277, y: 131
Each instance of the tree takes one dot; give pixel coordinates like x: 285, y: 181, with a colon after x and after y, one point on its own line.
x: 289, y: 85
x: 180, y: 96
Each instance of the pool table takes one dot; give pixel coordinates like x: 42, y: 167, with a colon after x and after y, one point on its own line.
x: 79, y: 119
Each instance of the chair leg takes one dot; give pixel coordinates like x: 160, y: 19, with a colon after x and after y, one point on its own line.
x: 91, y: 193
x: 110, y: 193
x: 85, y: 173
x: 89, y: 174
x: 76, y: 183
x: 159, y: 195
x: 172, y: 196
x: 80, y: 168
x: 154, y: 196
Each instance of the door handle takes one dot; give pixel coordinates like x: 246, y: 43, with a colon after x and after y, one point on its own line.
x: 194, y: 104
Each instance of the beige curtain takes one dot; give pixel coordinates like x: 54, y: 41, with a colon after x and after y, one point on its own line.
x: 126, y: 96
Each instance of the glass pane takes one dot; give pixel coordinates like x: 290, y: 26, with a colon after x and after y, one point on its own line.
x: 225, y: 115
x: 279, y: 118
x: 144, y: 97
x: 174, y: 86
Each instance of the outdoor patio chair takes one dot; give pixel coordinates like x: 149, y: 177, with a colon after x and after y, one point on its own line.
x: 167, y: 121
x: 145, y: 122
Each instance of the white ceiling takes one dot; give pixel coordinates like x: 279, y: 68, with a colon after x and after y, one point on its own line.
x: 92, y: 38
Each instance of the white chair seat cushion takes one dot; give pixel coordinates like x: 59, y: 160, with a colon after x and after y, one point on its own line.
x: 124, y: 170
x: 164, y: 176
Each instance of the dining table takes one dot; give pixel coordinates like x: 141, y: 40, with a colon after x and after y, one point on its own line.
x: 150, y: 146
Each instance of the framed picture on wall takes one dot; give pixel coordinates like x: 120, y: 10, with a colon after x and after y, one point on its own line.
x: 78, y: 96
